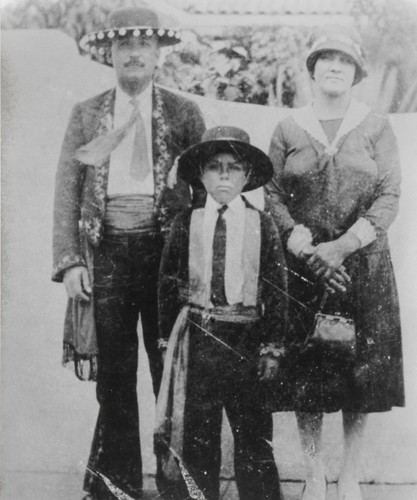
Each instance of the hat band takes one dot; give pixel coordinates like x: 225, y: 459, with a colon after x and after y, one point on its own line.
x: 337, y: 38
x: 136, y: 31
x: 226, y: 139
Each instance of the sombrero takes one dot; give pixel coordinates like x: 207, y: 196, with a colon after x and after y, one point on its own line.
x: 122, y: 23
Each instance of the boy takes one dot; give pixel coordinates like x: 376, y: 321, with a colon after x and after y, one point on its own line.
x: 223, y: 289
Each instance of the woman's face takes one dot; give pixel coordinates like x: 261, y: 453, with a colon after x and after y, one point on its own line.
x: 334, y: 73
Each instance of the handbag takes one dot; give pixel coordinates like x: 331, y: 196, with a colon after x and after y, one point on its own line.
x: 333, y: 329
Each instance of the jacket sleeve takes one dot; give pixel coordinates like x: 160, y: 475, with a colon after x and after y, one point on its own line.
x: 195, y: 124
x: 170, y: 282
x: 195, y: 127
x: 68, y: 189
x: 186, y: 127
x: 274, y: 284
x: 275, y: 196
x: 385, y: 206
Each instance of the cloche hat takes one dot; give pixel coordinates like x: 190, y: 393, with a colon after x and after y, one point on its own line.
x: 224, y: 139
x: 337, y: 38
x: 122, y: 23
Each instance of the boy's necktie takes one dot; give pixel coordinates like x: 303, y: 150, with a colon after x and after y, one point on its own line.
x: 218, y: 293
x: 139, y: 163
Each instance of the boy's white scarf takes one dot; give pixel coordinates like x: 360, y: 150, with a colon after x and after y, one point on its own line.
x: 198, y: 288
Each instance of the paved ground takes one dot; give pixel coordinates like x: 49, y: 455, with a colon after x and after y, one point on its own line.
x: 49, y: 486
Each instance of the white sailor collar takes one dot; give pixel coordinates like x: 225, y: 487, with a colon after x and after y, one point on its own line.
x: 308, y: 121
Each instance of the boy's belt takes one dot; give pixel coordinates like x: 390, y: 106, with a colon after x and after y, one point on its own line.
x: 236, y: 313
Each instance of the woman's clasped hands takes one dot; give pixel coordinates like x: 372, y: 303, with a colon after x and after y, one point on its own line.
x: 326, y: 261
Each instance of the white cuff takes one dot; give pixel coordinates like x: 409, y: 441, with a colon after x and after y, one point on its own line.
x: 299, y: 238
x: 364, y: 231
x: 162, y: 344
x: 271, y: 349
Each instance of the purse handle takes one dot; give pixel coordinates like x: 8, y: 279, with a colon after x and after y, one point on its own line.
x: 323, y: 301
x: 319, y: 310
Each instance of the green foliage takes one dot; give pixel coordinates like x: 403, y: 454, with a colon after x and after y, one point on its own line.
x: 242, y: 65
x: 388, y: 28
x: 389, y: 32
x: 245, y: 65
x: 263, y: 65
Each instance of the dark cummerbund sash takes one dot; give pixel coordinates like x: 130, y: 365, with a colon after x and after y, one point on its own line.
x: 132, y: 213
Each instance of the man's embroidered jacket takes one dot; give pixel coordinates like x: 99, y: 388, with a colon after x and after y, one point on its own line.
x: 80, y: 194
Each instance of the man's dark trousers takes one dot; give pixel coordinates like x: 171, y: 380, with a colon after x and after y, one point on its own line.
x: 125, y: 285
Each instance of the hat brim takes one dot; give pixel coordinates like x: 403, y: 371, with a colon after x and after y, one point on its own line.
x: 190, y: 162
x: 334, y: 45
x: 98, y: 43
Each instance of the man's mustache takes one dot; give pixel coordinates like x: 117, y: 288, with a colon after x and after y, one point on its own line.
x: 134, y: 62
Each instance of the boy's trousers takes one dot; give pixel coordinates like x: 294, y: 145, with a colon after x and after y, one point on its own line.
x: 222, y: 373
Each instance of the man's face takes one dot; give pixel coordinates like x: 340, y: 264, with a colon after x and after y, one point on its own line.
x: 135, y: 60
x: 224, y: 176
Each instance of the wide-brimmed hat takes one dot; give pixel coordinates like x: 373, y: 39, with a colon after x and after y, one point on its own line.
x: 337, y: 38
x: 122, y: 23
x: 224, y: 139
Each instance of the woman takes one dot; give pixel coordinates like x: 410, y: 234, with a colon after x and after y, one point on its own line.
x: 334, y: 194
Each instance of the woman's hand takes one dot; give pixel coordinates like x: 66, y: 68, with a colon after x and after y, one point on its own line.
x: 338, y: 281
x: 306, y: 252
x: 267, y: 367
x: 328, y: 257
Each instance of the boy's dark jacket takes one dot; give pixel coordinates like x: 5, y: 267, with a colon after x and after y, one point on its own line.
x: 272, y: 281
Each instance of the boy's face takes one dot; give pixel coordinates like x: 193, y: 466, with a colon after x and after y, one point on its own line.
x: 224, y: 176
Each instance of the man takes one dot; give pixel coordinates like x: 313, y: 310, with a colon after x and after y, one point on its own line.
x: 114, y: 203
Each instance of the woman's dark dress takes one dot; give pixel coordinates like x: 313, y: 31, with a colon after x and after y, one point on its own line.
x: 327, y: 191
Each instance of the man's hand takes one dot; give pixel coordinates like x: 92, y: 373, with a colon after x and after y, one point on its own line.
x: 267, y: 367
x: 77, y: 283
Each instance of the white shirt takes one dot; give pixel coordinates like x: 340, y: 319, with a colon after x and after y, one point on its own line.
x: 235, y: 230
x: 120, y: 182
